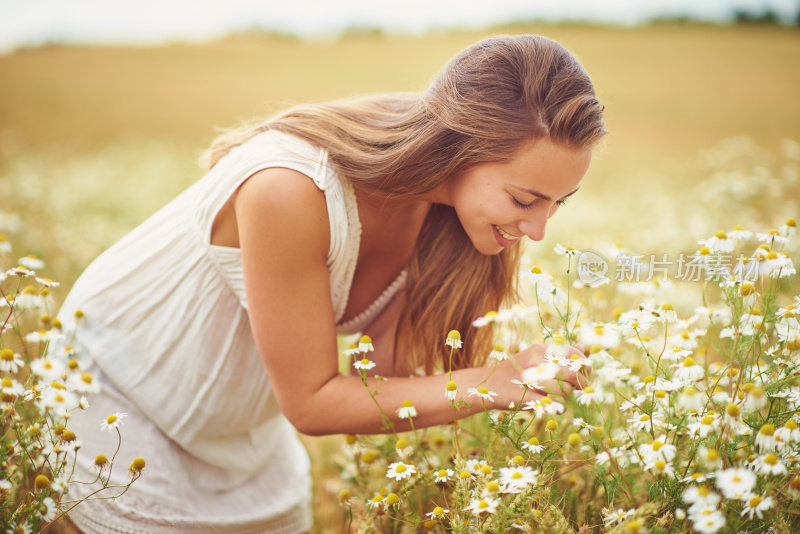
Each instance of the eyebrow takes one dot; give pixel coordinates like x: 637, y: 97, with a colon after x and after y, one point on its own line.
x: 541, y: 195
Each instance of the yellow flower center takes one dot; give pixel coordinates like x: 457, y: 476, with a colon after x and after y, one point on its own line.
x: 483, y: 504
x: 707, y: 420
x: 754, y: 501
x: 406, y: 404
x: 660, y: 465
x: 721, y: 235
x: 516, y: 474
x: 401, y: 444
x: 454, y: 334
x: 533, y: 441
x: 657, y: 445
x: 483, y: 390
x: 689, y: 362
x: 111, y: 419
x: 7, y: 355
x: 771, y: 459
x: 588, y: 389
x: 442, y: 473
x: 400, y: 468
x: 644, y: 418
x: 536, y: 269
x: 451, y: 386
x: 438, y: 510
x: 767, y: 430
x: 493, y: 486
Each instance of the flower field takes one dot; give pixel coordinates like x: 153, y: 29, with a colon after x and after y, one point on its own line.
x: 673, y: 270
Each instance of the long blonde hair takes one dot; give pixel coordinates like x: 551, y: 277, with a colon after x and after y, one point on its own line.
x: 486, y: 102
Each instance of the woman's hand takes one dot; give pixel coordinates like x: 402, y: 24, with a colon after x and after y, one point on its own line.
x: 559, y: 380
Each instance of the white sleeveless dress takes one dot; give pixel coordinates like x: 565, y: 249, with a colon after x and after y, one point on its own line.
x: 166, y: 330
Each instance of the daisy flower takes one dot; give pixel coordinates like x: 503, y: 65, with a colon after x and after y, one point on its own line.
x: 533, y: 446
x: 770, y: 465
x: 364, y: 364
x: 483, y: 392
x: 442, y: 475
x: 660, y: 468
x: 789, y: 432
x: 403, y: 448
x: 736, y: 482
x: 538, y: 277
x: 666, y: 313
x: 772, y: 237
x: 59, y: 401
x: 765, y: 439
x: 498, y: 353
x: 699, y: 496
x: 657, y: 449
x: 709, y: 522
x: 483, y: 505
x: 643, y: 421
x: 406, y: 410
x: 561, y: 250
x: 690, y: 399
x: 451, y: 390
x: 453, y: 339
x: 31, y: 262
x: 704, y: 426
x: 516, y: 479
x: 590, y: 395
x: 11, y: 387
x: 739, y: 234
x: 352, y: 350
x: 365, y: 344
x: 599, y: 334
x: 543, y: 406
x: 490, y: 317
x: 113, y: 421
x: 689, y: 371
x: 615, y: 516
x: 757, y: 505
x: 10, y: 361
x: 539, y: 373
x: 437, y: 513
x: 719, y: 242
x: 400, y: 471
x: 48, y: 368
x: 49, y: 509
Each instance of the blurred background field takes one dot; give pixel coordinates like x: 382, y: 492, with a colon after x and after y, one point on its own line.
x: 702, y: 118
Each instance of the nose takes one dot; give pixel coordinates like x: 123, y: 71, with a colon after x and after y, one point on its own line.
x: 534, y: 224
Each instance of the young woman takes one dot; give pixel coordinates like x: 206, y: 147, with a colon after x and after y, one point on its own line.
x: 213, y: 324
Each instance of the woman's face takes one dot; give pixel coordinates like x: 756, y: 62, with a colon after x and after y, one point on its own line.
x: 498, y: 203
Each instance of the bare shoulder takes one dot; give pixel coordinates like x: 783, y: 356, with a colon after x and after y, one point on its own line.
x: 282, y: 208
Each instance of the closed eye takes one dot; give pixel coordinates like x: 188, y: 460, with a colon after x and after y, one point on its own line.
x: 520, y: 204
x: 523, y: 205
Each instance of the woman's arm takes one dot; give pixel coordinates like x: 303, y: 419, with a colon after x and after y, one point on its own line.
x: 284, y: 237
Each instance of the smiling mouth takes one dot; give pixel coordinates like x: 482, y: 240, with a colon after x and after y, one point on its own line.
x: 506, y: 235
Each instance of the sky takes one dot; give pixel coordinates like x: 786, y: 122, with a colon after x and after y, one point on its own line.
x: 34, y: 22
